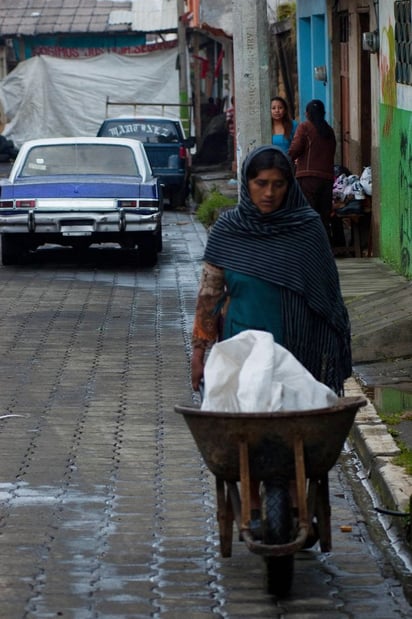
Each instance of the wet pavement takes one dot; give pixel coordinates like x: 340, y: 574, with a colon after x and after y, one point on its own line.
x: 106, y: 509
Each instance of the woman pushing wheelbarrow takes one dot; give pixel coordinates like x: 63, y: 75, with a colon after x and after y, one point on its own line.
x: 269, y: 267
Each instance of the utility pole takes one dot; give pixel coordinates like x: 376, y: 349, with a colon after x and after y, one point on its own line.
x: 183, y: 87
x: 251, y: 69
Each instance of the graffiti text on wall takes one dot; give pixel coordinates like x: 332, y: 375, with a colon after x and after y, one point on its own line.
x: 405, y: 200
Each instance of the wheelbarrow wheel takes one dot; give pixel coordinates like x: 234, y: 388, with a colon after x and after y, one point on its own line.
x: 277, y: 529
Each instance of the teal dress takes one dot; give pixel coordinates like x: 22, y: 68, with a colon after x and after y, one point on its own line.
x: 254, y: 304
x: 283, y: 143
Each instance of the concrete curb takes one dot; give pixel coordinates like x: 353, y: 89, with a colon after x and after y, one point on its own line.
x: 377, y: 449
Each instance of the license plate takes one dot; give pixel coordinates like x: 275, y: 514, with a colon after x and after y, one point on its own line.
x: 76, y: 230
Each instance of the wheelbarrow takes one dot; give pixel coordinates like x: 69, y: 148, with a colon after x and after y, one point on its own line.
x: 277, y: 450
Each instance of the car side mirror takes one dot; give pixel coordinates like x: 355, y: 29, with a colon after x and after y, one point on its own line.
x: 190, y: 142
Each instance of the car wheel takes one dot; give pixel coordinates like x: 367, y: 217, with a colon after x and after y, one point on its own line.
x: 12, y: 252
x: 159, y: 239
x: 148, y: 251
x: 178, y: 197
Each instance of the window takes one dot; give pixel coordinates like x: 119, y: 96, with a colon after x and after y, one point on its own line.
x: 403, y: 42
x: 147, y: 131
x: 80, y: 159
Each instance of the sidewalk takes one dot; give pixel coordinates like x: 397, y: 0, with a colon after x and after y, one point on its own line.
x: 379, y: 304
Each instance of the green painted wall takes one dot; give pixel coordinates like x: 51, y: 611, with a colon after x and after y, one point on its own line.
x: 396, y: 188
x: 389, y: 400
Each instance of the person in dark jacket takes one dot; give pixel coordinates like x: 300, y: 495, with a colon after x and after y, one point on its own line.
x: 8, y: 151
x: 313, y: 151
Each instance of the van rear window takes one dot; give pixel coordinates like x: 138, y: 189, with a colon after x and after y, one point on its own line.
x: 158, y: 132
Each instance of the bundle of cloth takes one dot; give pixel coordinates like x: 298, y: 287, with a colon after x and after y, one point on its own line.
x: 349, y: 192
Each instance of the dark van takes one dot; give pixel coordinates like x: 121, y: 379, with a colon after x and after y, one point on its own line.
x: 166, y: 147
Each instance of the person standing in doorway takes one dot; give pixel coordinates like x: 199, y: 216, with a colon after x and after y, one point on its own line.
x: 313, y: 151
x: 283, y: 127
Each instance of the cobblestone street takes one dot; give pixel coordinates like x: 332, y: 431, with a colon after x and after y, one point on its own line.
x: 106, y: 509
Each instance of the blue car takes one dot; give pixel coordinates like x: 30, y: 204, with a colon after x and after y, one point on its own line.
x: 77, y: 192
x: 166, y: 147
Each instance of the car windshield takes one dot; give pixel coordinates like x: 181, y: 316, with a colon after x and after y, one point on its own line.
x: 145, y: 130
x: 79, y: 160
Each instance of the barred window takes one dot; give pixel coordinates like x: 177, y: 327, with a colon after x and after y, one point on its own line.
x: 403, y: 42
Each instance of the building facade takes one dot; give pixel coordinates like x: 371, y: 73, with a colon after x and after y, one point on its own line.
x: 364, y: 52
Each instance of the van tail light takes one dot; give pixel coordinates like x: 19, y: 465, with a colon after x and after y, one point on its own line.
x: 25, y: 203
x: 182, y: 152
x: 6, y: 203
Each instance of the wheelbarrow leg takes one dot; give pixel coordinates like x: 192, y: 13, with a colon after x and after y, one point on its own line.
x: 300, y: 473
x: 317, y: 505
x: 313, y: 533
x: 240, y: 502
x: 323, y: 514
x: 224, y: 518
x: 244, y: 485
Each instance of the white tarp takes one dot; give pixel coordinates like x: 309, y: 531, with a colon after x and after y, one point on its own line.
x: 56, y: 97
x: 250, y: 372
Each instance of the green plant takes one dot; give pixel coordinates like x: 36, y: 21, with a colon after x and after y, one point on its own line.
x: 404, y: 458
x: 287, y: 11
x: 209, y: 210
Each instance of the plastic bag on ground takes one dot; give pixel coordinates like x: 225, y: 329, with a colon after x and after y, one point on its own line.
x: 250, y: 372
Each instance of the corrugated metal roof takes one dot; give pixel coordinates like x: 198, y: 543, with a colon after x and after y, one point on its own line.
x: 33, y: 17
x: 217, y: 15
x: 120, y: 17
x: 155, y: 16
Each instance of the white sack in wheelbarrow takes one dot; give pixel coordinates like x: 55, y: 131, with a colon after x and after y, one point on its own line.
x: 250, y: 372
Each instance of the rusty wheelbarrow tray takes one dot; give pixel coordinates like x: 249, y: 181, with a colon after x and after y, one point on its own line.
x: 265, y: 446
